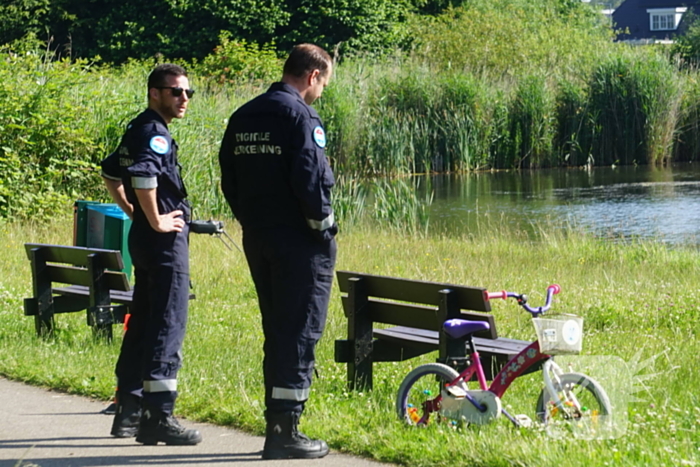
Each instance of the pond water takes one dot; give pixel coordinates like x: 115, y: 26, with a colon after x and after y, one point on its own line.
x: 661, y: 203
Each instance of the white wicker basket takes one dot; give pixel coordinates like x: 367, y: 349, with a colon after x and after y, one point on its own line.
x: 559, y: 334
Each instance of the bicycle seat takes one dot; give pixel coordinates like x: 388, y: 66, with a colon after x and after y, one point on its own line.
x: 457, y: 328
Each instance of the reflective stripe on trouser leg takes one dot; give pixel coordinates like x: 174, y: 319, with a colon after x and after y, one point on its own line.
x: 299, y: 395
x: 162, y: 385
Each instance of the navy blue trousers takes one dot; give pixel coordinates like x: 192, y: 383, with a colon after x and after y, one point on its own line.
x: 150, y: 355
x: 293, y: 274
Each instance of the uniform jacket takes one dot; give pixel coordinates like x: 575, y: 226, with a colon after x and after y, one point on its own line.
x: 274, y: 171
x: 147, y: 158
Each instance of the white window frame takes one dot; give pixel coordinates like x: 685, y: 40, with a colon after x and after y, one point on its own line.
x: 667, y: 19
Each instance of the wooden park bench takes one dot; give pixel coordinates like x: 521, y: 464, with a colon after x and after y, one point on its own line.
x: 94, y: 282
x: 417, y: 309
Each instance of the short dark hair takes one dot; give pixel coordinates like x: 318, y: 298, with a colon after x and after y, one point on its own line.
x: 157, y: 76
x: 306, y: 58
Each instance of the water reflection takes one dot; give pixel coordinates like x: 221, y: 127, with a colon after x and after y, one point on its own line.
x: 647, y: 202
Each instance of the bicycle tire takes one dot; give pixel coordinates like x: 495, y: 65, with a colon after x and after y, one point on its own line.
x: 411, y: 393
x: 588, y: 392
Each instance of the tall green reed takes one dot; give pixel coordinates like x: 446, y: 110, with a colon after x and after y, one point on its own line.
x: 571, y: 142
x: 349, y: 201
x: 687, y: 141
x: 531, y: 120
x: 420, y: 123
x: 463, y: 121
x: 633, y: 107
x: 397, y: 206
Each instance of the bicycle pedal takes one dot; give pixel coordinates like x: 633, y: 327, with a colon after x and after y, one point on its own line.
x: 523, y: 420
x: 457, y: 391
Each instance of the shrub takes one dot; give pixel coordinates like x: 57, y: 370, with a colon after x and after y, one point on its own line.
x: 56, y: 123
x: 44, y: 159
x: 687, y: 140
x: 239, y: 62
x: 513, y: 37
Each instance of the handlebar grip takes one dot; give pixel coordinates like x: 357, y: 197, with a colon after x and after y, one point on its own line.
x: 206, y: 227
x: 502, y: 295
x: 555, y: 288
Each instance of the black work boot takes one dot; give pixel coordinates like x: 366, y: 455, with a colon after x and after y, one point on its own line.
x: 284, y: 441
x: 127, y: 415
x: 157, y: 426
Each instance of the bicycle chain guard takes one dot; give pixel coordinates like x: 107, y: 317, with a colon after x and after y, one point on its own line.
x: 455, y: 405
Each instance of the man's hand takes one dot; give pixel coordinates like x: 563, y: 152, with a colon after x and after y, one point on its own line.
x: 170, y: 222
x: 116, y: 190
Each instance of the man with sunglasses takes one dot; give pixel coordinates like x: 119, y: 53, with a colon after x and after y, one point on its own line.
x: 143, y: 178
x: 276, y: 178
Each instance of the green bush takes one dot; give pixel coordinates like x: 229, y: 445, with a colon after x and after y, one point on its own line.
x: 58, y: 119
x: 686, y: 47
x: 239, y: 62
x: 514, y: 37
x: 43, y: 158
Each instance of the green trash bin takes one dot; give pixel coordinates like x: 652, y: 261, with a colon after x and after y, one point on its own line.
x: 101, y: 225
x: 80, y: 221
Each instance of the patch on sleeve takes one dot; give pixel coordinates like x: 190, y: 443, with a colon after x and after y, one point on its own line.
x: 320, y: 137
x: 159, y: 144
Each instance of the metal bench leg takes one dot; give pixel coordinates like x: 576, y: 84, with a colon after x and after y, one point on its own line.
x: 360, y: 337
x: 44, y: 325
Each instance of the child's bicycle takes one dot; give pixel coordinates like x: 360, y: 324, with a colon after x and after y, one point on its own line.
x: 436, y: 391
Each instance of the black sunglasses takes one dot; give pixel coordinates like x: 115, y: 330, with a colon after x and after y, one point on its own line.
x: 177, y: 91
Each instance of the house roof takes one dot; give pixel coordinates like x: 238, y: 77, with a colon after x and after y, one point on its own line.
x: 632, y: 19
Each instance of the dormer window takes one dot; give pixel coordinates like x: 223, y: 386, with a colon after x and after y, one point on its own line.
x: 665, y: 19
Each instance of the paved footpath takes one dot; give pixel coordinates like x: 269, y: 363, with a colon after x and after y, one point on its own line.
x: 41, y: 428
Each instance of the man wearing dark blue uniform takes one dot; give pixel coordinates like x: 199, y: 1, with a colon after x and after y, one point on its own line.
x: 143, y: 177
x: 275, y: 177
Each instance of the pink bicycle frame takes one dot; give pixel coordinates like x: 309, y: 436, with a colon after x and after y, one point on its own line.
x: 517, y: 365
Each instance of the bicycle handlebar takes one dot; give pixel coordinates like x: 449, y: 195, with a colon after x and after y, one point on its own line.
x: 522, y: 299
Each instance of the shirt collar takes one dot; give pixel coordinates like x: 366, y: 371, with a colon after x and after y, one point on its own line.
x: 155, y: 115
x: 280, y: 86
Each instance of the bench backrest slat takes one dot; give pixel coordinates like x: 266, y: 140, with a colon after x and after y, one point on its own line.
x: 76, y: 255
x: 416, y: 316
x: 114, y: 280
x: 428, y: 293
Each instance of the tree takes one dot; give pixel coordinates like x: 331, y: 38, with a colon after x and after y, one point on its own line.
x: 25, y: 17
x: 356, y: 25
x: 117, y: 30
x: 687, y: 45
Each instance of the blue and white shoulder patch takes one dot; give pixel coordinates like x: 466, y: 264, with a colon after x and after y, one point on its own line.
x: 320, y: 137
x: 159, y: 144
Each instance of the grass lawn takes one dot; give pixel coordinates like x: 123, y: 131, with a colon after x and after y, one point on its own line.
x: 638, y: 299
